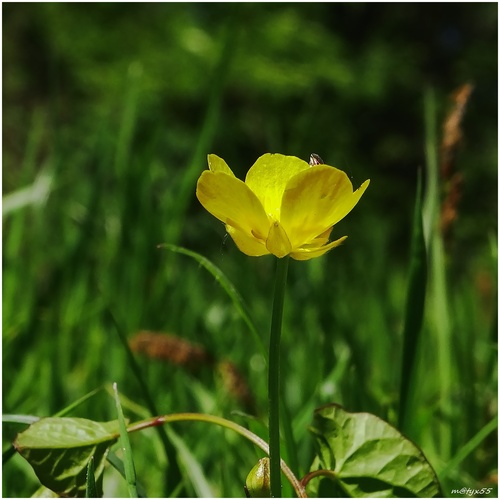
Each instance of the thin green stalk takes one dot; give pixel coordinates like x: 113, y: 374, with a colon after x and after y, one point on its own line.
x: 274, y: 377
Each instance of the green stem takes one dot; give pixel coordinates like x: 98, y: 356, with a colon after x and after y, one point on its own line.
x: 274, y: 377
x: 212, y: 419
x: 318, y: 473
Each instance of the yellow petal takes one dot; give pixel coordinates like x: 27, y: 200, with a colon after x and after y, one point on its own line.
x: 312, y: 252
x: 217, y: 164
x: 322, y: 239
x: 231, y: 201
x: 268, y: 177
x: 315, y: 200
x: 249, y: 245
x: 277, y: 241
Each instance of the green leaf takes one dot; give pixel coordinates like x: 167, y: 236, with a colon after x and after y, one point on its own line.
x: 59, y: 450
x: 30, y: 419
x: 369, y: 457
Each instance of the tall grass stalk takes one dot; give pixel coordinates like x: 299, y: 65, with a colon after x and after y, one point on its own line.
x: 439, y: 299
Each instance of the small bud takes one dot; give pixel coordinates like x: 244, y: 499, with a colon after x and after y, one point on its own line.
x: 258, y: 483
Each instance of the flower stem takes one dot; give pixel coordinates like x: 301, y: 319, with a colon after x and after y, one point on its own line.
x: 274, y: 376
x: 228, y: 424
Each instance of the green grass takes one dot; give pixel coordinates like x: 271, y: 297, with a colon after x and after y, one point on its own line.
x: 88, y: 247
x: 92, y: 248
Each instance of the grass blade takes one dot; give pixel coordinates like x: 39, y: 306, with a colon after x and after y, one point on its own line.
x: 469, y: 447
x: 117, y: 464
x: 431, y: 201
x: 437, y: 276
x: 173, y: 477
x: 127, y: 450
x: 226, y: 285
x: 193, y: 467
x: 77, y: 403
x: 90, y: 490
x: 414, y: 314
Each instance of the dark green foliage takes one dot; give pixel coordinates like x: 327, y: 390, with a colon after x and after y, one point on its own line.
x: 369, y: 458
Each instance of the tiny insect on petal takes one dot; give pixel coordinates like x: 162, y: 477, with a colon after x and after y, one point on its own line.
x: 315, y: 159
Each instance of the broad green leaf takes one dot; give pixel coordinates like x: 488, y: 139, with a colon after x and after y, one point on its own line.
x: 30, y: 419
x: 59, y: 449
x: 369, y: 457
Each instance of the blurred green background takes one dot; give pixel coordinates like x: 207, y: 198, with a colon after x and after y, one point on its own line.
x: 109, y: 111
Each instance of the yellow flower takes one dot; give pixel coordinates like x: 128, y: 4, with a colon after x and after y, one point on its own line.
x: 284, y: 207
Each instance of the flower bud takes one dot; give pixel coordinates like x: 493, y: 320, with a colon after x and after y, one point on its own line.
x: 258, y: 483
